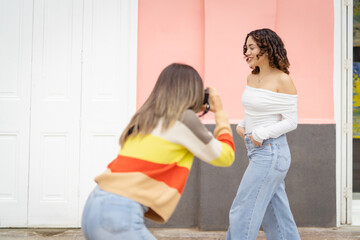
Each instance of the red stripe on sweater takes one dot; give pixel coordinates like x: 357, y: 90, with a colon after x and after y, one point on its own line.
x: 171, y: 174
x: 228, y: 139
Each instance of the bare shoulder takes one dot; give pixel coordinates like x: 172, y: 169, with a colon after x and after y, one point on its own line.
x: 286, y: 84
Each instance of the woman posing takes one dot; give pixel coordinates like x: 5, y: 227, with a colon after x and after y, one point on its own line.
x: 157, y: 149
x: 270, y: 102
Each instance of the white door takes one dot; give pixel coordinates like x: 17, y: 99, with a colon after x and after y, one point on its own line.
x: 15, y: 79
x: 109, y: 84
x: 55, y: 113
x: 67, y: 89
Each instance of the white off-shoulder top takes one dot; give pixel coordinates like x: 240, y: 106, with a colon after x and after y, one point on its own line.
x: 268, y: 114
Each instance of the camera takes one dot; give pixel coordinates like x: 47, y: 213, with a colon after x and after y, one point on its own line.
x: 206, y: 102
x: 206, y: 96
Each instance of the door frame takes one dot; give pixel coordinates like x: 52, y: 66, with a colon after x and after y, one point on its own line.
x: 343, y: 89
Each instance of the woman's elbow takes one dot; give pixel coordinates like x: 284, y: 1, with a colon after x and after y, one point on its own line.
x: 225, y: 160
x: 293, y: 125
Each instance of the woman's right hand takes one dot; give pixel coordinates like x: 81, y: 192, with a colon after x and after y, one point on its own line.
x: 241, y: 131
x: 214, y: 100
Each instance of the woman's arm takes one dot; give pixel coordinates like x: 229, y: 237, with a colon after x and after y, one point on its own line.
x: 240, y: 129
x: 217, y: 149
x: 289, y: 119
x: 192, y: 134
x: 287, y: 124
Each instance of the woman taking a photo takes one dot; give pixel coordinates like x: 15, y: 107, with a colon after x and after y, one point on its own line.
x: 157, y: 149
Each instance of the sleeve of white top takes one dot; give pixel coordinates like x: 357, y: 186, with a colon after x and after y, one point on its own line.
x: 241, y: 124
x: 287, y: 124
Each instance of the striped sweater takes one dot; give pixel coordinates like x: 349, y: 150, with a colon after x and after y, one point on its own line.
x: 153, y: 169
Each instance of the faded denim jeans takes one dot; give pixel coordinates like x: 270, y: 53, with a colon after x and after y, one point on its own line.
x: 261, y: 198
x: 110, y: 216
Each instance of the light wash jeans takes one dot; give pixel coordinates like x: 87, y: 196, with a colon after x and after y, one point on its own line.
x: 108, y: 216
x: 261, y: 198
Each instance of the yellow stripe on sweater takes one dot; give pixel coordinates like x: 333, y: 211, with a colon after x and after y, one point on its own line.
x: 158, y: 150
x: 226, y: 157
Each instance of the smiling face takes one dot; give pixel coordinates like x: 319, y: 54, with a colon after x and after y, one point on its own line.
x: 252, y: 52
x: 264, y: 48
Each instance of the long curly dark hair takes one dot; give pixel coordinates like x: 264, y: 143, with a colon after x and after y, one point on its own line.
x: 269, y: 42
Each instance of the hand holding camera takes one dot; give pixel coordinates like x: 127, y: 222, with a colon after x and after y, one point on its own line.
x: 212, y: 101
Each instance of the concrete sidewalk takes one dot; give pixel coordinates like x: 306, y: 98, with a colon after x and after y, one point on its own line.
x: 176, y: 234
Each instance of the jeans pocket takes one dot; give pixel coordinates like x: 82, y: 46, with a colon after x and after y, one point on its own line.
x: 283, y: 158
x: 261, y: 155
x: 115, y: 215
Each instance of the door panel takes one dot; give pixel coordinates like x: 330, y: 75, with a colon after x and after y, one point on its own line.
x: 55, y: 113
x: 108, y: 84
x: 15, y: 79
x: 60, y: 107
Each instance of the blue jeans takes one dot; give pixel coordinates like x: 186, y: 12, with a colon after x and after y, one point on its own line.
x: 261, y: 198
x: 110, y: 216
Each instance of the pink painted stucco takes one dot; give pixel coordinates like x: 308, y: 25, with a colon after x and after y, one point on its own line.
x: 168, y: 31
x: 307, y: 28
x: 209, y: 34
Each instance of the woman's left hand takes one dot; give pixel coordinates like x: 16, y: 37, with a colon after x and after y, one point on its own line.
x: 256, y: 143
x: 214, y: 100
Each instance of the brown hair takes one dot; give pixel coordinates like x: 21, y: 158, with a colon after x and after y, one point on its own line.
x: 179, y: 87
x: 269, y: 42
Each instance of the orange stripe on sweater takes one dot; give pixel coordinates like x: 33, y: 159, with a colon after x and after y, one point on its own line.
x: 228, y: 139
x: 171, y: 174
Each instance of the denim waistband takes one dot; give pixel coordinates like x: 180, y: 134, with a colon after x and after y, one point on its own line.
x: 98, y: 192
x: 279, y: 140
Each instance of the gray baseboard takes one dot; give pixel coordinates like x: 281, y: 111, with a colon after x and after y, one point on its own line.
x: 310, y: 183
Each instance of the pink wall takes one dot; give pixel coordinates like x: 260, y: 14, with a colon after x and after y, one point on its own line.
x: 307, y: 28
x: 209, y: 34
x: 168, y: 31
